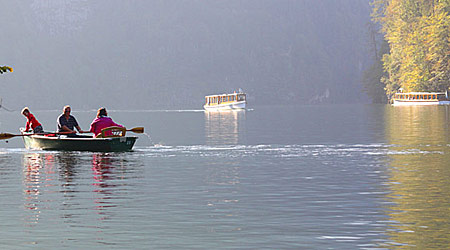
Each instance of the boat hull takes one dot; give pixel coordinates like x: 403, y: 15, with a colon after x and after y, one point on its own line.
x: 83, y: 143
x: 226, y: 106
x: 419, y: 103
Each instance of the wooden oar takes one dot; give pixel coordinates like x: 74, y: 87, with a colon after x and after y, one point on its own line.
x: 138, y: 130
x: 5, y: 136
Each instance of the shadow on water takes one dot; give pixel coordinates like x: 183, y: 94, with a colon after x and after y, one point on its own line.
x: 418, y: 180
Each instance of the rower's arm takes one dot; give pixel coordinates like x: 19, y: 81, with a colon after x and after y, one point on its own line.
x: 66, y: 129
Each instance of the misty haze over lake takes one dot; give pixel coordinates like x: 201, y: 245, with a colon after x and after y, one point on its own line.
x: 170, y: 54
x: 308, y: 164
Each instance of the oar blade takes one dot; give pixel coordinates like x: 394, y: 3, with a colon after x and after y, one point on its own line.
x: 5, y: 136
x: 138, y: 130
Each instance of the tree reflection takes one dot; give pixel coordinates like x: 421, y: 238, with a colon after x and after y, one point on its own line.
x: 224, y: 127
x: 419, y: 176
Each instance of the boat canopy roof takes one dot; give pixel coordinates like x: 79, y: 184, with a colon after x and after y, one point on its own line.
x: 225, y: 94
x: 421, y: 93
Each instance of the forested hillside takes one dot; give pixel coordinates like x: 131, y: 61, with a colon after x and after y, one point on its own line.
x: 169, y: 54
x: 418, y: 35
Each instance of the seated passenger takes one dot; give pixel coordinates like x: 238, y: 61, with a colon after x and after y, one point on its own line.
x: 68, y: 123
x: 102, y: 121
x: 32, y: 122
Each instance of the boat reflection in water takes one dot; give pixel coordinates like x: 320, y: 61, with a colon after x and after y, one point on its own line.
x: 60, y: 187
x: 222, y: 177
x: 46, y: 177
x: 33, y: 175
x: 224, y: 127
x: 419, y: 183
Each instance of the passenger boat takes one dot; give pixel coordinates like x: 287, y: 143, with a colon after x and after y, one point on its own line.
x: 421, y: 98
x: 225, y: 101
x: 78, y: 143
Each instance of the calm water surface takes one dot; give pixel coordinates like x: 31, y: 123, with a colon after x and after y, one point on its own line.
x: 305, y: 177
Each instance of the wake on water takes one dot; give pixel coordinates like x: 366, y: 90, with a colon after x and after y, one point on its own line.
x: 288, y: 151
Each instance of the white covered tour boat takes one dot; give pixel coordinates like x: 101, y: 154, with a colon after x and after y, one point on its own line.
x: 225, y: 101
x: 421, y: 98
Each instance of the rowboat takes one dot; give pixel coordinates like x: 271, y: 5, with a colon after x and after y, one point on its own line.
x: 78, y: 143
x: 225, y: 102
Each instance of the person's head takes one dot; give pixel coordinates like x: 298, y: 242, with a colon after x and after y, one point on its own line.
x: 102, y: 112
x: 66, y: 110
x: 25, y: 111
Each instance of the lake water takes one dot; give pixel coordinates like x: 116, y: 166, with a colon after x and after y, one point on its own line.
x: 304, y: 177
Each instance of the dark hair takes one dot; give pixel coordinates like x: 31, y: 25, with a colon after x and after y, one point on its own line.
x: 101, y: 112
x: 25, y: 110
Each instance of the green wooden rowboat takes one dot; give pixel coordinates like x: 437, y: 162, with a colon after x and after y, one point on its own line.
x: 79, y: 143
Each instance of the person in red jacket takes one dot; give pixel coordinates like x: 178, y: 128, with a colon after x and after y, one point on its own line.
x: 32, y: 122
x: 102, y: 121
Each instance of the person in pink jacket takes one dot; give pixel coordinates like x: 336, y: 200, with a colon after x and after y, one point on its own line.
x: 102, y: 121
